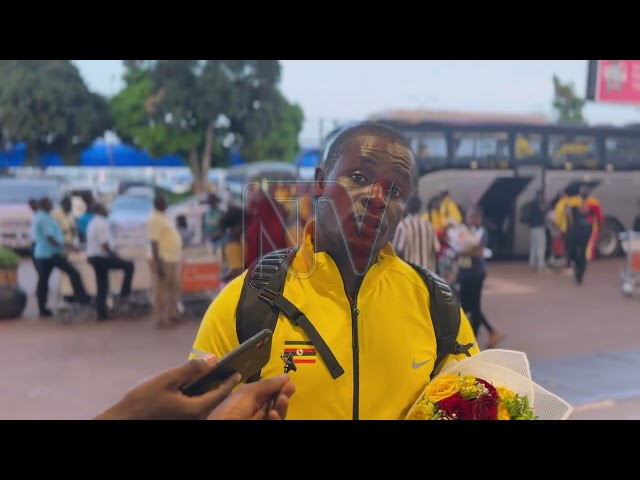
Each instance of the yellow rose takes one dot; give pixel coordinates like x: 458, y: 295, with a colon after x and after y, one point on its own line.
x: 443, y: 386
x: 505, y: 394
x: 422, y: 411
x: 503, y: 412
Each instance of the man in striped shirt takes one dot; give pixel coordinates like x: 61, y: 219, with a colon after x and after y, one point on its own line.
x: 415, y: 240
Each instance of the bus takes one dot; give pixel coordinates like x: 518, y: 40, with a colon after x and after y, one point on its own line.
x: 499, y: 164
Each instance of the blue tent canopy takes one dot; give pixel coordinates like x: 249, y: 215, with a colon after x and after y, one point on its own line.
x: 51, y: 160
x: 122, y: 155
x: 14, y: 157
x: 307, y: 157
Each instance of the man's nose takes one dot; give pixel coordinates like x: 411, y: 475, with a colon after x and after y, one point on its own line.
x: 375, y: 197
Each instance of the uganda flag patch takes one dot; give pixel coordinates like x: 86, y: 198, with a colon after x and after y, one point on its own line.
x: 303, y: 352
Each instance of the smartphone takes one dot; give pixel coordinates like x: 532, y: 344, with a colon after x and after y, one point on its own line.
x: 246, y: 359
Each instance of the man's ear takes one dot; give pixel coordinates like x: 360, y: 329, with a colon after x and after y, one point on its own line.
x: 320, y: 179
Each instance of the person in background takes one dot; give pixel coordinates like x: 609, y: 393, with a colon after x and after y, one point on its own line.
x: 65, y: 220
x: 165, y: 260
x: 432, y: 214
x: 211, y: 230
x: 49, y: 254
x: 534, y: 217
x: 265, y: 231
x: 472, y: 272
x: 560, y: 211
x: 234, y: 224
x: 85, y: 218
x: 103, y: 259
x: 636, y: 222
x: 160, y: 398
x: 415, y: 240
x: 557, y: 251
x: 34, y: 205
x: 584, y: 221
x: 448, y: 208
x: 183, y: 229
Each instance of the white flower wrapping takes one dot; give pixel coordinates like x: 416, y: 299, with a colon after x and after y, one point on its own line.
x: 462, y: 238
x: 509, y: 368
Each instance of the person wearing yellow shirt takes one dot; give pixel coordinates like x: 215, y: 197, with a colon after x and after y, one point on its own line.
x: 370, y: 307
x: 165, y: 258
x: 448, y: 208
x: 560, y: 214
x: 65, y: 221
x: 233, y: 226
x: 432, y: 214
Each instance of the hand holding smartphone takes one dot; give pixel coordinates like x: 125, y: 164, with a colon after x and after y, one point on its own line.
x: 246, y: 359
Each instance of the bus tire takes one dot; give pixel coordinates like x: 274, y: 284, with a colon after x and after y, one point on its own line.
x: 609, y: 241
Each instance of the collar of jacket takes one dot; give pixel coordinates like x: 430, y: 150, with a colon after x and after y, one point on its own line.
x: 323, y: 268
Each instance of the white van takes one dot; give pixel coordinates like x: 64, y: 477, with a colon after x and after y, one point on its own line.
x: 15, y: 213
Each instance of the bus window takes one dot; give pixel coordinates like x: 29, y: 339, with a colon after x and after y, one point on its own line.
x: 430, y: 149
x: 622, y: 153
x: 528, y: 149
x: 481, y: 150
x: 569, y: 152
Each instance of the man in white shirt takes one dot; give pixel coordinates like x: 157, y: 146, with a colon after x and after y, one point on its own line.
x: 103, y: 259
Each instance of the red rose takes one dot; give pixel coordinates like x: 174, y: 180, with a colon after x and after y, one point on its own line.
x: 486, y: 408
x: 458, y: 406
x: 492, y: 390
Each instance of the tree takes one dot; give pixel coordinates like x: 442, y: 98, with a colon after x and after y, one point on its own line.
x: 203, y: 108
x: 566, y: 103
x: 46, y: 104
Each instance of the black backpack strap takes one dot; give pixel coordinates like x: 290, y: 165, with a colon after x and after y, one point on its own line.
x: 261, y: 301
x: 445, y: 315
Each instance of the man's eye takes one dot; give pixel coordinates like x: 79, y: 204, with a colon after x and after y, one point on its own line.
x: 395, y: 192
x: 356, y: 177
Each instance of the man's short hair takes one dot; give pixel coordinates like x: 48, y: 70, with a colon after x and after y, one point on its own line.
x: 158, y: 200
x: 373, y: 128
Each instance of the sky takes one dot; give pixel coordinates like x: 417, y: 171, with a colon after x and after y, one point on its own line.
x: 344, y: 90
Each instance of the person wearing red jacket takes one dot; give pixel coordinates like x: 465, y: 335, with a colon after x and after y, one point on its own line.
x: 584, y: 224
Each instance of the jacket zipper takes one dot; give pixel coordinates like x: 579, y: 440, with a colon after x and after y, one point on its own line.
x: 356, y: 362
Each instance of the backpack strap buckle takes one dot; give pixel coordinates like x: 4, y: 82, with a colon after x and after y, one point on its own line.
x: 268, y: 295
x: 458, y: 348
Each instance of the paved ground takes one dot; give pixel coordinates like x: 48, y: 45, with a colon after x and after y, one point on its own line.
x: 583, y: 343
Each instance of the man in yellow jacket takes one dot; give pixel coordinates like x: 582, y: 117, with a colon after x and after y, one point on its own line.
x: 371, y: 308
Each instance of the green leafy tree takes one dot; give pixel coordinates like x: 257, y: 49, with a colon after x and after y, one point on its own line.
x: 568, y: 106
x: 203, y: 108
x: 46, y: 104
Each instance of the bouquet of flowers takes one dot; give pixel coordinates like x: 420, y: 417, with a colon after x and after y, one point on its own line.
x: 461, y: 238
x: 492, y: 385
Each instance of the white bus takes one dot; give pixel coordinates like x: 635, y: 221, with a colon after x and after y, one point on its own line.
x: 500, y: 164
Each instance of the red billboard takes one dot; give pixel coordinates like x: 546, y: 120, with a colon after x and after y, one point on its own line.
x: 616, y: 81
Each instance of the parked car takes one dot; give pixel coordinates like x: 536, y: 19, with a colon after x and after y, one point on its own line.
x: 128, y: 220
x: 241, y: 177
x: 125, y: 185
x: 15, y: 214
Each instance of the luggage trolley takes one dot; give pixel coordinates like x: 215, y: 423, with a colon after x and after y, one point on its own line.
x: 630, y: 273
x: 200, y: 277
